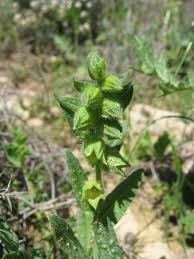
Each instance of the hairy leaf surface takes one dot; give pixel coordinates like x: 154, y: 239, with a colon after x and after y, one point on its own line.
x: 118, y: 200
x: 77, y: 176
x: 96, y: 66
x: 107, y: 242
x: 8, y: 237
x: 66, y: 239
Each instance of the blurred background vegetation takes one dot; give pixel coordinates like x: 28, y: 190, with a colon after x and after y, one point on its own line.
x: 43, y: 45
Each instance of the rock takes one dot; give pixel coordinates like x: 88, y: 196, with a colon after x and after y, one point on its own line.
x: 55, y: 111
x: 140, y: 230
x: 35, y: 122
x: 142, y: 115
x: 26, y: 103
x: 4, y: 80
x: 157, y: 250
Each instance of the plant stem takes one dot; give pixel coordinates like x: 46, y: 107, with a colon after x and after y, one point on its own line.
x: 98, y: 174
x: 183, y: 58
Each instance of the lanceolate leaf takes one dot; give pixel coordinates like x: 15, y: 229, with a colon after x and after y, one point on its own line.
x: 85, y: 230
x: 107, y: 243
x: 118, y: 200
x: 66, y: 239
x: 162, y: 71
x: 77, y: 176
x: 143, y: 53
x: 17, y: 255
x: 8, y: 237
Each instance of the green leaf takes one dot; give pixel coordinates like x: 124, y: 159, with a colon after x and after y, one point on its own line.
x: 92, y: 97
x: 125, y: 96
x: 106, y: 241
x: 111, y: 109
x: 66, y: 239
x: 111, y: 84
x: 188, y: 222
x: 96, y: 66
x: 93, y: 149
x: 77, y: 176
x: 81, y: 85
x: 16, y: 150
x: 85, y: 230
x: 17, y: 255
x: 113, y: 135
x: 143, y: 53
x: 116, y: 162
x: 163, y: 71
x: 68, y: 103
x: 8, y: 237
x: 83, y: 119
x: 118, y: 200
x: 63, y: 44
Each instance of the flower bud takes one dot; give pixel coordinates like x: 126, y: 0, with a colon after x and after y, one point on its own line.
x: 92, y: 96
x: 96, y: 66
x: 111, y: 84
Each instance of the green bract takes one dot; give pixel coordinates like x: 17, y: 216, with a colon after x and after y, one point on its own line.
x: 96, y: 66
x: 111, y: 84
x: 68, y: 104
x: 80, y: 85
x: 116, y: 162
x: 112, y: 109
x: 97, y: 119
x: 92, y: 192
x: 92, y: 96
x: 93, y: 149
x: 96, y: 114
x: 83, y: 119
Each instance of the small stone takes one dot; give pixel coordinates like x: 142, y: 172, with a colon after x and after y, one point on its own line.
x: 4, y: 79
x: 55, y: 111
x: 35, y: 122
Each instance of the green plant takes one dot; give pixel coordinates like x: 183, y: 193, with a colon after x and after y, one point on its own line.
x: 10, y: 242
x: 17, y: 151
x: 8, y: 32
x: 97, y: 118
x: 157, y: 66
x: 175, y: 208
